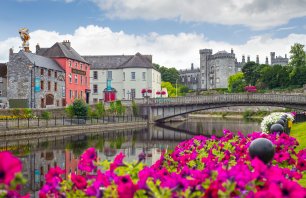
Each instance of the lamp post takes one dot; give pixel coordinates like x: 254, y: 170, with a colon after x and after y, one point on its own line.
x: 31, y: 86
x: 176, y: 87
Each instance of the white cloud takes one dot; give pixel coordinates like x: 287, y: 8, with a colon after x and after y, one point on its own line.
x: 178, y: 50
x: 258, y: 14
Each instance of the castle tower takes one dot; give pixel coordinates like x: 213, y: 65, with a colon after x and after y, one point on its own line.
x: 204, y: 56
x: 257, y: 59
x: 243, y: 59
x: 248, y: 59
x: 267, y: 60
x: 272, y: 55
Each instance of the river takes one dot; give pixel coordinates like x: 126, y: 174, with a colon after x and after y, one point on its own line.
x: 64, y: 152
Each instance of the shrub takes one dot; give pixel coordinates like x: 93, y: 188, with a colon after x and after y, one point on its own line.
x: 46, y: 115
x: 100, y: 109
x: 135, y: 108
x: 78, y: 108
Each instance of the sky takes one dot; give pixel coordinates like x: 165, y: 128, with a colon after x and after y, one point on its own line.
x: 172, y: 31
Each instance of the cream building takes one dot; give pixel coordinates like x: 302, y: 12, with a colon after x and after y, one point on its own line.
x: 128, y: 75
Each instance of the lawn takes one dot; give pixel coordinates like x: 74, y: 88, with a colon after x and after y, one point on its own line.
x: 299, y: 132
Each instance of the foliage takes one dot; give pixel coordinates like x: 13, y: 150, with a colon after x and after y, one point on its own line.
x: 198, y: 167
x: 100, y: 109
x: 117, y: 108
x: 21, y: 113
x: 135, y: 108
x: 298, y: 56
x: 168, y: 74
x: 78, y: 108
x: 46, y: 115
x: 236, y: 82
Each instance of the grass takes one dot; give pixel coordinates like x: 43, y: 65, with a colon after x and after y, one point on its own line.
x: 299, y: 132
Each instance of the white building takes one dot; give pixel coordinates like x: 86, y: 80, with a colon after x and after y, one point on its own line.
x: 129, y: 75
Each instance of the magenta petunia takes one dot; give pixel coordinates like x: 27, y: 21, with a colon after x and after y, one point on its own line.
x: 9, y: 166
x: 79, y: 181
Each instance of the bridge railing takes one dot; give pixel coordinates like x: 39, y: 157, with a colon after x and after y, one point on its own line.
x: 233, y: 98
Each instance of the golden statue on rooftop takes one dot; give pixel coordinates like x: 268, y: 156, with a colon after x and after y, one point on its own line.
x: 25, y: 37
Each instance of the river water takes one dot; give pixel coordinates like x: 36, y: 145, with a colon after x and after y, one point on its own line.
x: 64, y: 152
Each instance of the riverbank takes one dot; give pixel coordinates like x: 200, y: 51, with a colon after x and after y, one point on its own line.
x: 298, y: 131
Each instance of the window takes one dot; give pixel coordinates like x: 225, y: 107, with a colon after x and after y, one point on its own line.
x: 95, y: 100
x: 133, y: 93
x: 55, y: 86
x: 70, y: 78
x: 76, y: 79
x: 81, y: 66
x: 49, y: 73
x: 57, y: 103
x: 143, y: 75
x: 42, y: 85
x: 70, y: 64
x: 217, y: 80
x: 95, y: 75
x: 133, y: 75
x: 86, y: 67
x: 49, y: 86
x: 55, y: 74
x: 81, y: 80
x: 75, y: 93
x: 203, y: 74
x: 109, y: 75
x: 70, y: 94
x: 123, y: 76
x: 76, y: 65
x: 123, y: 91
x: 95, y: 88
x: 42, y: 72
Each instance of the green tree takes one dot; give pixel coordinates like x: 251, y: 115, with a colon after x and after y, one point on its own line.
x: 170, y: 89
x: 236, y: 82
x: 275, y: 76
x: 100, y: 109
x: 78, y: 108
x: 298, y: 56
x: 168, y: 74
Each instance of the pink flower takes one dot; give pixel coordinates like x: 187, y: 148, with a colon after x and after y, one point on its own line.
x: 9, y: 166
x: 87, y: 160
x: 126, y: 187
x: 79, y: 181
x: 301, y: 165
x: 118, y: 161
x: 53, y: 173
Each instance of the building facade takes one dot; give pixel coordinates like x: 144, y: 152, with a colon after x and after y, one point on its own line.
x: 127, y: 75
x: 3, y: 85
x: 76, y: 68
x: 215, y: 69
x: 34, y: 81
x: 190, y: 77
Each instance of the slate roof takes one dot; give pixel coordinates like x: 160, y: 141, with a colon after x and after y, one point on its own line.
x: 42, y: 61
x: 3, y: 70
x: 120, y: 62
x: 61, y: 50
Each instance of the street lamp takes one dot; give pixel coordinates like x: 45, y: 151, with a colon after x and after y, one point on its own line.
x: 31, y: 86
x: 176, y: 87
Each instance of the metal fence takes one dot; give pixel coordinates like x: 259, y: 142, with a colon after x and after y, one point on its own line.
x: 65, y: 121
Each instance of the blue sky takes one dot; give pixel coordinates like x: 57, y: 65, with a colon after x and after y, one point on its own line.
x: 154, y: 24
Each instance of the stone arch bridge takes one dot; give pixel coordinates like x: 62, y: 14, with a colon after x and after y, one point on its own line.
x: 159, y: 109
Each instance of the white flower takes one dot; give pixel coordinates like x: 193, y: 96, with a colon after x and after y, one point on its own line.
x: 271, y: 119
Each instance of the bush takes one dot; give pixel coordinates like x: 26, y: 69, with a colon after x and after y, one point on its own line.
x: 135, y: 108
x: 78, y: 108
x: 46, y: 115
x: 100, y: 109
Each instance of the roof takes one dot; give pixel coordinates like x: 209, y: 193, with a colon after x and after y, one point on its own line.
x: 42, y: 61
x: 120, y: 62
x: 3, y: 70
x: 222, y: 52
x: 61, y: 50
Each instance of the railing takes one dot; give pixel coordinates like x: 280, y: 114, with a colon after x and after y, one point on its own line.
x: 65, y: 121
x: 232, y: 98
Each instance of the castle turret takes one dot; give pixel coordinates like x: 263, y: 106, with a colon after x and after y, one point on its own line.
x: 204, y: 56
x: 243, y: 59
x: 232, y: 51
x: 191, y: 66
x: 267, y: 60
x: 37, y: 48
x: 272, y: 55
x: 248, y: 59
x: 257, y: 59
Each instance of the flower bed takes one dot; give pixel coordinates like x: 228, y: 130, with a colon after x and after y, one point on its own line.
x: 198, y: 167
x: 273, y: 118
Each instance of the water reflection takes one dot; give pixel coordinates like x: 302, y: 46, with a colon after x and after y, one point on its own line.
x: 38, y: 155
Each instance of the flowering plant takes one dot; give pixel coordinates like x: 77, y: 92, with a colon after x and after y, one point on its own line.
x: 273, y: 118
x: 198, y: 167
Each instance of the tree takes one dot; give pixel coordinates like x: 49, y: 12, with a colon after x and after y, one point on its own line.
x: 170, y: 89
x: 275, y: 76
x: 236, y: 82
x: 78, y: 108
x: 167, y: 74
x: 298, y: 56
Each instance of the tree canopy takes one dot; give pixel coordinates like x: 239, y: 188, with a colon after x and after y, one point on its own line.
x: 168, y: 74
x: 236, y: 82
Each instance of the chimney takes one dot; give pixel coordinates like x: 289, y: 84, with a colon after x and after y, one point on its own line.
x: 248, y: 59
x: 267, y: 60
x: 191, y: 66
x: 243, y: 59
x: 37, y: 48
x: 67, y: 43
x: 11, y: 52
x: 257, y: 59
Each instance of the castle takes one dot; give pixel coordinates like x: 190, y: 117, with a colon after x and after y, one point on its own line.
x: 215, y: 69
